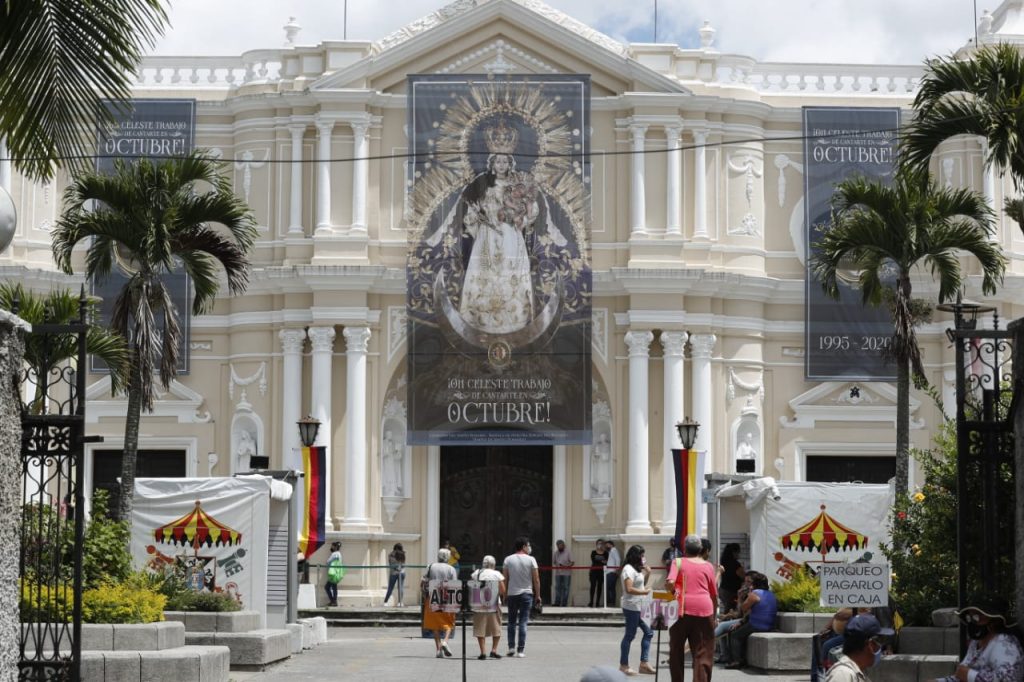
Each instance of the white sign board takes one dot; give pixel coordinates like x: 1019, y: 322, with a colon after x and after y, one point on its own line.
x: 650, y: 609
x: 483, y: 595
x: 445, y: 595
x: 854, y: 585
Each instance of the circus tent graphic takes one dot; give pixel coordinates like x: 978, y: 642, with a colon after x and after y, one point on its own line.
x: 196, y: 529
x: 823, y: 534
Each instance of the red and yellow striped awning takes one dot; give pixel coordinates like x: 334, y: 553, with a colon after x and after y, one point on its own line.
x: 195, y: 529
x: 824, y: 534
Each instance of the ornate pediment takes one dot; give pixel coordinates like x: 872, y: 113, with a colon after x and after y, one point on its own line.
x: 847, y: 401
x: 499, y: 57
x: 179, y: 401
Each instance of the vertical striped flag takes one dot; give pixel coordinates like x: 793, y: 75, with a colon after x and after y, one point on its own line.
x: 314, y: 465
x: 689, y: 471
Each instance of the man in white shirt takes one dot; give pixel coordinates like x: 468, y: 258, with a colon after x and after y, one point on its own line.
x: 562, y: 559
x: 522, y: 578
x: 861, y: 649
x: 611, y: 573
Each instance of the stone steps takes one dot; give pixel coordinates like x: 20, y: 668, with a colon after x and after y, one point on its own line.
x: 252, y: 650
x: 179, y: 664
x: 410, y: 617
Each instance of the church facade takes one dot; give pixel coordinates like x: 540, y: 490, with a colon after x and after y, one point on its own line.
x: 697, y: 254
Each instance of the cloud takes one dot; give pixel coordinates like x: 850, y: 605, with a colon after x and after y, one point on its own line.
x: 842, y: 31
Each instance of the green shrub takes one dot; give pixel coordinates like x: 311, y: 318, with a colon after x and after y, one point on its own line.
x: 105, y: 555
x: 190, y: 600
x: 41, y: 603
x: 131, y: 601
x: 47, y: 539
x: 802, y: 593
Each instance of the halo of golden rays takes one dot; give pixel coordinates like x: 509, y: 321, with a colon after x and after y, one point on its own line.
x: 450, y: 168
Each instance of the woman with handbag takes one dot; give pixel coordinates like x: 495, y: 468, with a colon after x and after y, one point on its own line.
x: 692, y: 580
x: 488, y: 623
x: 335, y: 572
x: 634, y: 589
x: 439, y: 623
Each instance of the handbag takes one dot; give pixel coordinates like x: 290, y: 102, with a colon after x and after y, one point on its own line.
x: 335, y: 572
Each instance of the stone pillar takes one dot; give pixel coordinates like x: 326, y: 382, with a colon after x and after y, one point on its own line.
x: 560, y: 488
x: 638, y: 521
x: 673, y: 180
x: 322, y: 341
x: 356, y: 339
x: 700, y: 192
x: 323, y: 177
x: 701, y: 346
x: 12, y: 348
x: 291, y: 405
x: 432, y: 540
x: 295, y: 205
x: 637, y: 198
x: 360, y: 173
x: 675, y: 408
x: 5, y: 165
x: 988, y: 185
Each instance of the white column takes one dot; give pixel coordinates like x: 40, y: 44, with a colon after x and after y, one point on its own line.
x: 323, y: 177
x: 360, y: 174
x: 638, y: 520
x: 675, y: 406
x: 322, y: 342
x: 433, y: 529
x: 5, y: 165
x: 637, y: 198
x: 295, y: 205
x: 291, y: 404
x: 700, y: 193
x: 356, y: 339
x: 988, y: 185
x: 560, y: 487
x: 701, y: 347
x: 673, y: 180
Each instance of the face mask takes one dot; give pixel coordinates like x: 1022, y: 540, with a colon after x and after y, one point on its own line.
x: 878, y: 655
x: 977, y: 631
x: 643, y: 561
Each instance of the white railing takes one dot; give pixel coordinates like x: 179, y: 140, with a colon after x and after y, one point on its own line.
x: 256, y: 66
x: 847, y: 79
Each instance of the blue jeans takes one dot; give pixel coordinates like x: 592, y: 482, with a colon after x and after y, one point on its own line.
x: 611, y: 582
x: 332, y: 592
x: 562, y: 590
x: 518, y: 614
x: 632, y: 623
x: 395, y: 579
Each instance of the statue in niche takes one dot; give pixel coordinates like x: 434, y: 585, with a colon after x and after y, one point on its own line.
x: 393, y: 455
x: 601, y: 468
x: 745, y: 450
x: 245, y: 449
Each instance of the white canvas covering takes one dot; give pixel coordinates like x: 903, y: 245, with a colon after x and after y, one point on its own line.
x: 778, y: 509
x: 241, y: 504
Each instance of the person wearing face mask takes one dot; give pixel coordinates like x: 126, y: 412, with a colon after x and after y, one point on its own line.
x: 994, y: 653
x: 522, y: 579
x: 635, y: 587
x: 862, y: 648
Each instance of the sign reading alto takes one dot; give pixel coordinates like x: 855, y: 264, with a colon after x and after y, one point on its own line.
x: 845, y: 338
x: 499, y: 281
x: 156, y: 129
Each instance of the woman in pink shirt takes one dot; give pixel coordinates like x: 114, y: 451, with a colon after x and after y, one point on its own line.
x: 692, y: 580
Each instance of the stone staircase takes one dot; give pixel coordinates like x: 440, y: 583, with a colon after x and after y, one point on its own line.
x: 409, y: 616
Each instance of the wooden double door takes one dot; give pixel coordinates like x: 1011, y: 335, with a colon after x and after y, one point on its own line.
x: 492, y: 495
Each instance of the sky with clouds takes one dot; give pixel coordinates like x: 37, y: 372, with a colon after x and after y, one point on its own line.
x: 843, y: 31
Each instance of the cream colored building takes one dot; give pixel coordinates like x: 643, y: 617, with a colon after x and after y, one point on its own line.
x: 696, y: 311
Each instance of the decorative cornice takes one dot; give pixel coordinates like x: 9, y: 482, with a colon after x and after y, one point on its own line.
x: 356, y: 339
x: 322, y: 339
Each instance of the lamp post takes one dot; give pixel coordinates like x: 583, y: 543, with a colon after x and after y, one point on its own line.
x: 683, y: 462
x: 308, y: 428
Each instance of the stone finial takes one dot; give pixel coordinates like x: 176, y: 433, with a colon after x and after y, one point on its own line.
x: 985, y: 26
x: 707, y: 35
x: 291, y: 32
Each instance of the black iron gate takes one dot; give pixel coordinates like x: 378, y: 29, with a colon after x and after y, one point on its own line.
x: 53, y: 434
x: 985, y: 403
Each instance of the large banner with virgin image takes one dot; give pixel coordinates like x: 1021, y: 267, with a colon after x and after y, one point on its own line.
x: 499, y: 280
x: 845, y: 339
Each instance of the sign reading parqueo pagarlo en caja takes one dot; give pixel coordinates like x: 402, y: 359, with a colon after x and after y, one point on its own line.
x: 854, y: 585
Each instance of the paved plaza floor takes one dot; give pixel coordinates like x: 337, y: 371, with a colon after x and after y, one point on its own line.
x: 559, y: 654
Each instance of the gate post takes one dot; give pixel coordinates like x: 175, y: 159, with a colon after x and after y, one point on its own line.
x: 12, y: 348
x: 1017, y: 329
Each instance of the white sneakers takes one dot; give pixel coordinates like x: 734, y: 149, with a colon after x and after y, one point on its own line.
x: 521, y: 655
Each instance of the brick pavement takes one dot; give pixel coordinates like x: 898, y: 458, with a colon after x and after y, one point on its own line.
x: 559, y: 654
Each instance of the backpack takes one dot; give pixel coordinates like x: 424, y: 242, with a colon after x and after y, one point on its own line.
x: 335, y: 572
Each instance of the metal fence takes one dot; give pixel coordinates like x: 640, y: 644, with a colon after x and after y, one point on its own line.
x: 53, y: 429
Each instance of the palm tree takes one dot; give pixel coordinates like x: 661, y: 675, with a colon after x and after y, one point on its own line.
x: 982, y: 96
x: 45, y: 354
x: 884, y: 233
x: 58, y: 60
x: 150, y: 217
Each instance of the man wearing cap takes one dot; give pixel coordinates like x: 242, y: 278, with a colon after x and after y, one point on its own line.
x: 862, y: 649
x: 994, y: 654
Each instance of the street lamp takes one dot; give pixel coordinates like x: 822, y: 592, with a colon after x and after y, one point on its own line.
x: 687, y: 432
x: 965, y: 314
x: 308, y: 427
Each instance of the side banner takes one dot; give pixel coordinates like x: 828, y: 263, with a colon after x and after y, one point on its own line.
x: 845, y: 339
x: 499, y: 281
x: 145, y: 128
x: 212, y: 530
x: 688, y: 466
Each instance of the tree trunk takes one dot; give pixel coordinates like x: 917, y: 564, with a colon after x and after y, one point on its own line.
x: 902, y: 425
x: 131, y: 440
